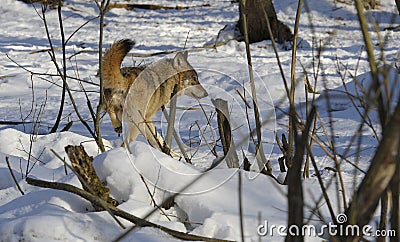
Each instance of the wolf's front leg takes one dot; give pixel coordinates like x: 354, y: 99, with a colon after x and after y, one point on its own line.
x: 152, y: 136
x: 131, y: 135
x: 156, y: 140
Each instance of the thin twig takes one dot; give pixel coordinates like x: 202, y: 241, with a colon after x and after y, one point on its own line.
x: 213, y: 151
x: 64, y: 74
x: 321, y: 183
x: 13, y: 176
x: 152, y: 197
x: 240, y: 188
x: 263, y: 164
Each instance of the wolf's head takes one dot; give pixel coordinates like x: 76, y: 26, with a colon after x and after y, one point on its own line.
x: 189, y: 84
x: 114, y: 99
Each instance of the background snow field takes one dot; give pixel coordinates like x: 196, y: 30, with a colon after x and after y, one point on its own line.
x: 30, y: 91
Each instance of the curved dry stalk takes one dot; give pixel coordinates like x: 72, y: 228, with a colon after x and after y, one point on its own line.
x: 369, y: 46
x: 13, y: 176
x: 292, y: 108
x: 240, y: 189
x: 64, y: 62
x: 263, y: 164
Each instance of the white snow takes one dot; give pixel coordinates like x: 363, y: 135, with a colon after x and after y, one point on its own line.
x: 210, y: 206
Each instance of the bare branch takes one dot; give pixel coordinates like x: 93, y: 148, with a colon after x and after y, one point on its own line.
x: 118, y: 212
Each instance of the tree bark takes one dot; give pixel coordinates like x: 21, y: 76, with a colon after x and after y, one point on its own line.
x: 83, y: 168
x: 257, y: 25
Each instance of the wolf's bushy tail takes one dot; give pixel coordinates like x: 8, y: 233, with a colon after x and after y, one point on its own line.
x: 112, y: 62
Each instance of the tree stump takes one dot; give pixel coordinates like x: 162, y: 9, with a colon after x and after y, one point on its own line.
x: 257, y: 24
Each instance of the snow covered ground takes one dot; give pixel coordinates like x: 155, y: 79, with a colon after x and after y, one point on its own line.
x: 210, y: 206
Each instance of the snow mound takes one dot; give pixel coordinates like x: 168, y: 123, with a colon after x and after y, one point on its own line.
x: 356, y: 92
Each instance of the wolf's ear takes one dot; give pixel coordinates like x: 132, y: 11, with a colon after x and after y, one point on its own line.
x: 180, y: 59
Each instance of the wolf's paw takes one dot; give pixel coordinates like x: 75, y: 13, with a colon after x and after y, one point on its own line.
x: 174, y: 154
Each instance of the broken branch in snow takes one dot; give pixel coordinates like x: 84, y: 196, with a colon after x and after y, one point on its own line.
x: 118, y: 212
x: 15, y: 122
x: 83, y: 167
x: 131, y: 6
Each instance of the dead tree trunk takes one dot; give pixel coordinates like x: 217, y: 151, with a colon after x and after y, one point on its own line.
x: 256, y: 12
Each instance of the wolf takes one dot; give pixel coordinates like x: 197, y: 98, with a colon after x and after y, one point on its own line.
x: 135, y: 94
